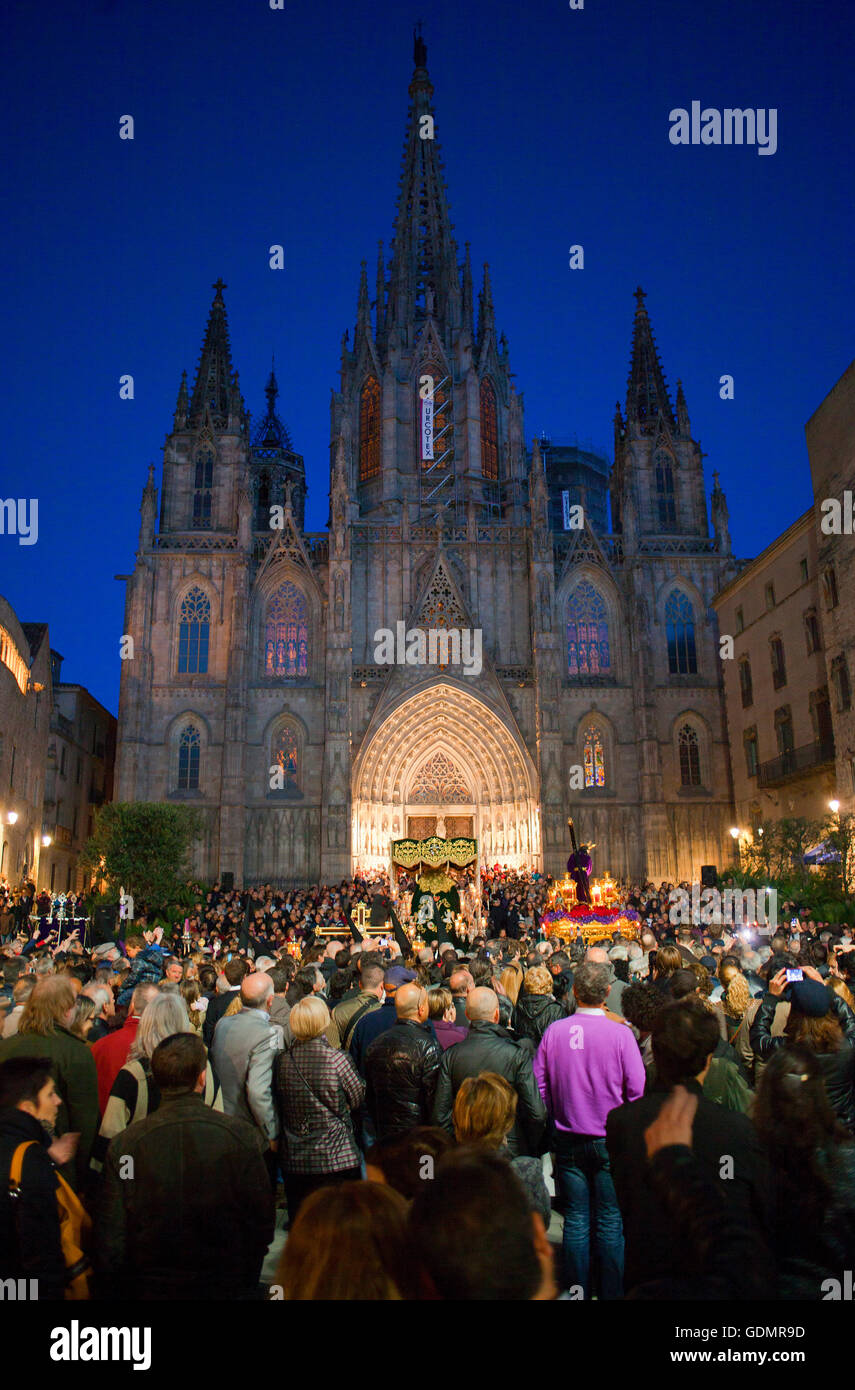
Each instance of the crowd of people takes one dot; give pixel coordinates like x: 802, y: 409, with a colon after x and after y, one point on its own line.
x: 265, y: 1106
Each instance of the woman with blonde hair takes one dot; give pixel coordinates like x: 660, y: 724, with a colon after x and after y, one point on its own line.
x: 536, y: 1007
x: 484, y: 1112
x: 134, y: 1094
x: 318, y: 1088
x: 511, y: 981
x: 195, y: 1002
x: 348, y: 1242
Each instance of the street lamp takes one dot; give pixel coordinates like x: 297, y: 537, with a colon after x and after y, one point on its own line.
x: 46, y: 841
x: 834, y: 806
x: 11, y: 817
x: 735, y: 831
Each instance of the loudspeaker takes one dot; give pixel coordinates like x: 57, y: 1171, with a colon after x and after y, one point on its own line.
x: 105, y: 924
x: 227, y: 882
x: 709, y: 876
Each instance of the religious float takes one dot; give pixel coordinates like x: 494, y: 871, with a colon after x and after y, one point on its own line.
x: 435, y: 903
x: 579, y: 906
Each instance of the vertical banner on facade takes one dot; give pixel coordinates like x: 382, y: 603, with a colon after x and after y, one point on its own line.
x: 427, y: 427
x: 565, y: 504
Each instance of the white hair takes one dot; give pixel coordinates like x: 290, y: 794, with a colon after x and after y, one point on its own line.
x: 165, y: 1015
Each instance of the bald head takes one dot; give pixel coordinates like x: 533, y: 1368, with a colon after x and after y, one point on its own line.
x: 255, y: 990
x: 482, y: 1006
x: 597, y: 955
x: 411, y: 1002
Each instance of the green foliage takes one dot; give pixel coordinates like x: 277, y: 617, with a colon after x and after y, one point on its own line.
x: 774, y: 859
x: 144, y: 846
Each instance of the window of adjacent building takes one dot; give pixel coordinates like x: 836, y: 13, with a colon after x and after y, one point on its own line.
x: 784, y: 730
x: 665, y: 498
x: 12, y: 768
x: 286, y: 633
x: 594, y: 758
x: 820, y: 711
x: 194, y: 628
x: 740, y: 620
x: 690, y: 757
x: 749, y: 743
x: 745, y: 685
x: 189, y: 751
x: 680, y: 630
x: 77, y: 777
x: 803, y: 570
x: 842, y: 687
x: 755, y: 818
x: 68, y: 880
x: 588, y: 652
x: 779, y: 666
x: 74, y: 824
x: 770, y: 595
x: 369, y: 430
x: 489, y: 431
x: 62, y: 761
x: 203, y: 490
x: 52, y: 876
x: 812, y: 632
x: 829, y: 587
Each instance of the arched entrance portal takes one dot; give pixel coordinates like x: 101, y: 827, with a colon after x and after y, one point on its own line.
x: 443, y: 752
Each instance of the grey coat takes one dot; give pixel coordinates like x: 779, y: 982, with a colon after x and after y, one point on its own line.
x: 245, y: 1048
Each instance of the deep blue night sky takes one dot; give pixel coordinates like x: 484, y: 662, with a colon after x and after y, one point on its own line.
x: 256, y: 126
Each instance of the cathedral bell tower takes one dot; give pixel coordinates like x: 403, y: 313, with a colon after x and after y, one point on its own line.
x: 426, y: 403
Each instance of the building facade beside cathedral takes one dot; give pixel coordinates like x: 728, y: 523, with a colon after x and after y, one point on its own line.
x: 255, y: 691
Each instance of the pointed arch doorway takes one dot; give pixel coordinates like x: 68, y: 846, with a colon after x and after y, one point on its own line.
x: 442, y: 753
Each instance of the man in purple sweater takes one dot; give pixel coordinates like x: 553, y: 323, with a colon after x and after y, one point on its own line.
x: 585, y: 1066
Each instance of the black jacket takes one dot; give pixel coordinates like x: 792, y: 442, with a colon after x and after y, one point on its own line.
x: 533, y: 1015
x: 489, y: 1047
x: 401, y: 1069
x: 215, y: 1011
x: 651, y: 1251
x: 30, y: 1245
x: 196, y: 1220
x: 838, y: 1068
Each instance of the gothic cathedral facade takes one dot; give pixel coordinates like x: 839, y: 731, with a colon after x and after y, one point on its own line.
x: 254, y: 688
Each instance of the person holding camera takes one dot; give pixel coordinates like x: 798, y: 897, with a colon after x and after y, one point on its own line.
x: 818, y: 1020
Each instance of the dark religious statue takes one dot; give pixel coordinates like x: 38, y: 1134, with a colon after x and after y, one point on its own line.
x: 579, y: 866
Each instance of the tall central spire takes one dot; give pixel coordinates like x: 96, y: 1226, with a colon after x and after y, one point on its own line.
x: 214, y: 379
x: 424, y: 254
x: 647, y: 394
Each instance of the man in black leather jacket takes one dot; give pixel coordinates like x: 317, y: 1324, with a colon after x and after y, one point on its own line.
x: 489, y: 1047
x: 402, y: 1066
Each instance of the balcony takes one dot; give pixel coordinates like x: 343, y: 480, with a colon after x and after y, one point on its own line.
x: 795, y: 762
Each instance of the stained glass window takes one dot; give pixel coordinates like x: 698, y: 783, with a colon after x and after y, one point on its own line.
x: 595, y: 763
x: 369, y: 430
x: 189, y: 748
x: 680, y: 630
x: 665, y: 493
x: 194, y: 626
x: 489, y: 431
x: 203, y: 490
x: 690, y: 757
x: 286, y: 634
x: 285, y: 755
x: 588, y: 651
